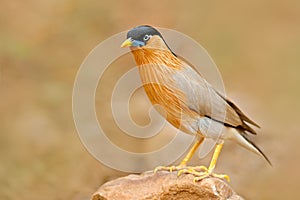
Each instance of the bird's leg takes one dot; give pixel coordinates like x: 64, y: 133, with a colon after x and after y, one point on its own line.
x: 183, y: 163
x: 191, y: 152
x: 207, y: 171
x: 212, y: 165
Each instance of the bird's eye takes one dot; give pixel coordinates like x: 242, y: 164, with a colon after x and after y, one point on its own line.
x: 147, y: 37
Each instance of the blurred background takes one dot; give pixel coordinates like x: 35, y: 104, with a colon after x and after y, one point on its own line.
x: 255, y: 44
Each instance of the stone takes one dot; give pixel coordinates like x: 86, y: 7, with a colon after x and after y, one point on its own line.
x: 164, y: 185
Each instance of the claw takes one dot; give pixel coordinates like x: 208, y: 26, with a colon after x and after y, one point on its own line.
x: 170, y: 168
x: 193, y: 170
x: 205, y: 175
x: 221, y: 176
x: 201, y: 172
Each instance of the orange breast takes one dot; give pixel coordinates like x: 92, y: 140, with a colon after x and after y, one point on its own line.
x: 168, y: 100
x: 157, y: 68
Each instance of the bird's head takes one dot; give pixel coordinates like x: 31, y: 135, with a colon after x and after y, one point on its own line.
x: 145, y: 36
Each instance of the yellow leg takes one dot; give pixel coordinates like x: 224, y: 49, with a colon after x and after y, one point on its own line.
x: 207, y: 172
x: 183, y: 163
x: 215, y: 157
x: 191, y: 152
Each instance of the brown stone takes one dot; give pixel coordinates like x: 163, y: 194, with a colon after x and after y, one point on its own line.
x: 164, y: 186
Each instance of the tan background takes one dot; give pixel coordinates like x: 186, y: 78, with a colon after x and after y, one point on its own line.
x: 256, y: 45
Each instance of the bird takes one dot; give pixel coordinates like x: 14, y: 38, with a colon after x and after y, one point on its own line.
x: 190, y: 102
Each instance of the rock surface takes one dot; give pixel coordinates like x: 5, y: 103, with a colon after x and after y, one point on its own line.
x: 164, y: 186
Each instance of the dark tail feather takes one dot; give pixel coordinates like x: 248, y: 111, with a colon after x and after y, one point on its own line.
x: 257, y: 148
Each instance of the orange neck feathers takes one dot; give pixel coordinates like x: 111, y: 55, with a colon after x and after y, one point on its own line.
x: 157, y: 57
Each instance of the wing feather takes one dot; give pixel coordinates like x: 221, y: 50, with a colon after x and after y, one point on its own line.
x: 205, y: 100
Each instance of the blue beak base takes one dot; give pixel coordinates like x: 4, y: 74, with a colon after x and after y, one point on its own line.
x: 137, y: 43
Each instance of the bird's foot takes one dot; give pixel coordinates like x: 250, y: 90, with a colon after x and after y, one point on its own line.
x: 201, y: 172
x: 169, y: 168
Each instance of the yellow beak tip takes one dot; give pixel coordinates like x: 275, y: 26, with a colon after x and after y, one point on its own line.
x: 126, y: 43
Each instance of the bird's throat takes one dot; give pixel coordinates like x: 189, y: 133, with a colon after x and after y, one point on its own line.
x: 150, y: 56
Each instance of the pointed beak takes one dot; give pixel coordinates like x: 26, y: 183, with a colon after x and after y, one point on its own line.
x: 127, y: 43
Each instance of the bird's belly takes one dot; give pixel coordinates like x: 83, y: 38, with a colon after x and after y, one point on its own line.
x: 172, y: 108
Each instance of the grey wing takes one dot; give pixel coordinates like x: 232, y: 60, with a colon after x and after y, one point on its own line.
x: 205, y: 100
